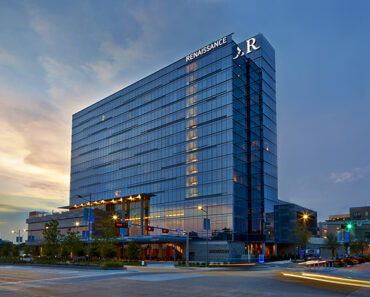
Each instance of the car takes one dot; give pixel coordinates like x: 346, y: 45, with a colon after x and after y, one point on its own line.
x: 26, y: 258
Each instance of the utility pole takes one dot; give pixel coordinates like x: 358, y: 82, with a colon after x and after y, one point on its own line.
x: 123, y: 220
x: 89, y: 234
x: 207, y: 225
x: 187, y: 248
x: 89, y: 228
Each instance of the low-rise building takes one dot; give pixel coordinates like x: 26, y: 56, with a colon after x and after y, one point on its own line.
x: 287, y: 218
x: 73, y: 220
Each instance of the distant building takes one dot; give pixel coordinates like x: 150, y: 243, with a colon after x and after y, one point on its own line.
x: 36, y: 221
x: 339, y: 217
x: 359, y: 213
x: 357, y: 223
x: 288, y: 216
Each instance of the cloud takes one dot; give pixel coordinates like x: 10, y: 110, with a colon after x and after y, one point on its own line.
x: 8, y: 59
x: 351, y: 175
x: 121, y: 59
x: 40, y: 24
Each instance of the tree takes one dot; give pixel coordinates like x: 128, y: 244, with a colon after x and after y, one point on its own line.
x: 332, y: 243
x: 5, y: 248
x: 358, y: 246
x: 5, y: 251
x: 35, y: 251
x: 51, y: 238
x: 133, y: 250
x: 71, y: 245
x: 15, y: 251
x: 302, y: 235
x: 107, y: 246
x: 27, y: 249
x: 109, y: 250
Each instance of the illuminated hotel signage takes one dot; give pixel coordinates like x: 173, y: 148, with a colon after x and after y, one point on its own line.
x: 206, y: 49
x: 251, y: 45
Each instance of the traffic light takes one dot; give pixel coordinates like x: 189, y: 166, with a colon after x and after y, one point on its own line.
x: 165, y: 230
x: 150, y: 229
x: 121, y: 225
x: 349, y: 226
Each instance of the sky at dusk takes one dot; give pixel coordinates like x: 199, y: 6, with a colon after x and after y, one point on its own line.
x: 57, y: 57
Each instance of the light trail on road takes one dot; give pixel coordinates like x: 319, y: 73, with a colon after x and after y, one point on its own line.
x: 330, y: 279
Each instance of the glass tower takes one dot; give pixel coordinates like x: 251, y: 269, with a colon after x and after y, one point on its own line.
x: 201, y: 131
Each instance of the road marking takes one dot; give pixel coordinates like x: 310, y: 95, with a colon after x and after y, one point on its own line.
x: 31, y: 284
x: 160, y: 277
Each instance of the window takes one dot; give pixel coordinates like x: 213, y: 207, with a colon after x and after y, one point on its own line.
x: 192, y: 169
x: 192, y: 181
x: 192, y: 134
x: 192, y: 157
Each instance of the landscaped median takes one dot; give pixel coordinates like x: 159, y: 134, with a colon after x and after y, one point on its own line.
x: 213, y: 265
x: 351, y: 261
x: 100, y: 264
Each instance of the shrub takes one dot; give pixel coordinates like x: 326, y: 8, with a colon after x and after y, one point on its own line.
x: 361, y: 259
x: 351, y: 261
x: 112, y: 264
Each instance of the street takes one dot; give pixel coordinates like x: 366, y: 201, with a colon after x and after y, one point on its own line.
x: 151, y: 281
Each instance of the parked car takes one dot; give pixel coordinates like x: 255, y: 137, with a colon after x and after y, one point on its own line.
x: 27, y: 258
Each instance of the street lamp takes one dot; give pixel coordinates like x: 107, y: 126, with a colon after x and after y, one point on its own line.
x: 200, y: 207
x: 19, y: 234
x: 89, y: 235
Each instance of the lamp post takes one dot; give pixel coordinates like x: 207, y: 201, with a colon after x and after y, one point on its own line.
x: 305, y: 218
x: 89, y: 235
x: 123, y: 220
x: 200, y: 207
x: 19, y: 234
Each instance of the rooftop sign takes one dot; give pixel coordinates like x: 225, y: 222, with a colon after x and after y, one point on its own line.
x: 206, y: 49
x: 250, y: 45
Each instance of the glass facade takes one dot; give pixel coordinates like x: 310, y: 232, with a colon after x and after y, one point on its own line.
x: 199, y: 132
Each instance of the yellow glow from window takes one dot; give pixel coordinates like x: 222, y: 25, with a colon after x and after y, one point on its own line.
x: 191, y: 101
x: 192, y: 157
x: 191, y: 146
x: 191, y: 112
x: 192, y: 181
x: 192, y: 134
x: 192, y: 169
x: 191, y: 90
x: 191, y: 123
x: 192, y: 192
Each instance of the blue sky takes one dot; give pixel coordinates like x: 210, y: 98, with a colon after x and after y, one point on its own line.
x: 57, y: 57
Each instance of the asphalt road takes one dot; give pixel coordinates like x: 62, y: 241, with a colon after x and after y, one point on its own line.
x: 41, y: 281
